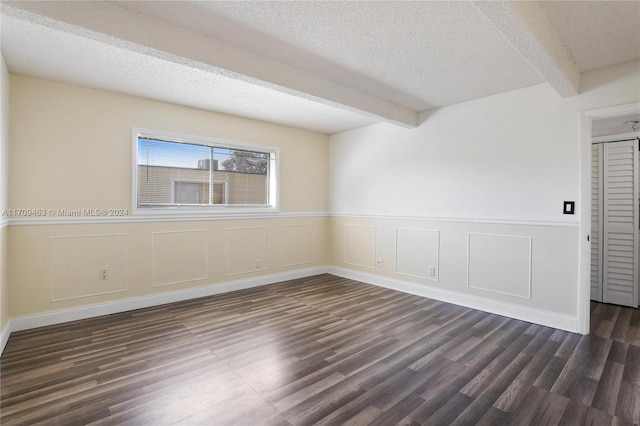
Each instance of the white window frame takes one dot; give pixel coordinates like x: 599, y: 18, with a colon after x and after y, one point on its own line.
x: 213, y: 210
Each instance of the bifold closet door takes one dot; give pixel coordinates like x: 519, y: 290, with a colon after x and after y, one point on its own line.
x: 620, y: 223
x: 596, y: 222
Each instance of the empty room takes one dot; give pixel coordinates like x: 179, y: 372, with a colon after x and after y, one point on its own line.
x: 319, y: 212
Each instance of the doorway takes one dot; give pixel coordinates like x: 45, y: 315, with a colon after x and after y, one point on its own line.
x: 614, y: 216
x: 587, y: 118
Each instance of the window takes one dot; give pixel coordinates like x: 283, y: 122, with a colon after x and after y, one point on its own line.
x: 180, y: 173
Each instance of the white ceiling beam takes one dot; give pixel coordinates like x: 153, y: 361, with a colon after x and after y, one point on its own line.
x: 525, y: 25
x: 120, y: 27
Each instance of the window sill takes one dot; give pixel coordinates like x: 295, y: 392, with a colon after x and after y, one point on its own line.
x: 208, y: 212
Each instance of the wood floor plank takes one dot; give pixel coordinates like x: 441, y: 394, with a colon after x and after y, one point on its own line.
x: 515, y: 391
x: 632, y: 365
x: 322, y: 350
x: 576, y: 413
x: 394, y: 416
x: 451, y: 410
x: 487, y: 377
x: 481, y: 411
x: 550, y: 373
x: 576, y: 364
x: 628, y: 405
x: 540, y: 407
x: 608, y: 388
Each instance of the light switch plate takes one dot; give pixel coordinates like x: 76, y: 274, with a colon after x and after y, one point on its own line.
x: 569, y: 207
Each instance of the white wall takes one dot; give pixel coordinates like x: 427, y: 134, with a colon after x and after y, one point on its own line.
x: 501, y: 157
x: 500, y: 166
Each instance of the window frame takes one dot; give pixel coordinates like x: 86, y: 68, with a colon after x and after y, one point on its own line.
x: 207, y: 210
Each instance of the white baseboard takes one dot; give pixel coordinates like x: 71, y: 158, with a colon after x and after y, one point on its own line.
x: 4, y: 336
x: 536, y: 316
x: 65, y: 315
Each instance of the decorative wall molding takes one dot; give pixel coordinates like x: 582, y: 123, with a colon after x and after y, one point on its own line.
x: 524, y: 222
x: 436, y: 262
x: 52, y: 256
x: 312, y: 243
x: 156, y: 218
x: 251, y: 269
x: 345, y: 242
x: 210, y: 217
x: 154, y: 262
x: 528, y: 241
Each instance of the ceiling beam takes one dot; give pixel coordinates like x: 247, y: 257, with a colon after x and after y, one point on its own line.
x: 120, y: 27
x: 525, y: 25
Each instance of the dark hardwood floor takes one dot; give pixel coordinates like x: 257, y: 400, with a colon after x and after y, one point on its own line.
x: 322, y: 350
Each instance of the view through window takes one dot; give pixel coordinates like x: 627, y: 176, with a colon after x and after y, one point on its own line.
x: 174, y: 174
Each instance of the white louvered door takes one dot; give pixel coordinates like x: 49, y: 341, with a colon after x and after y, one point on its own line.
x: 596, y: 223
x: 619, y: 223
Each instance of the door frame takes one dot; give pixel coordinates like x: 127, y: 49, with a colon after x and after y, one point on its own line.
x: 584, y: 246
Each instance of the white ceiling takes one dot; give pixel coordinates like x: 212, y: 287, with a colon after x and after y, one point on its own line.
x: 323, y: 66
x: 617, y: 125
x: 596, y: 34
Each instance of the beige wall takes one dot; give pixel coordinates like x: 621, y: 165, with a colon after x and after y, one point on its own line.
x: 71, y: 148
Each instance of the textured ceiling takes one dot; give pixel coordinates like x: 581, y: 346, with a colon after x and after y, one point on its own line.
x: 596, y: 34
x: 90, y: 63
x: 324, y: 66
x: 425, y: 54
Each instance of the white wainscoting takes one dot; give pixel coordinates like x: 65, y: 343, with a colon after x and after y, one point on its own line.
x: 499, y: 267
x: 417, y: 253
x: 500, y: 264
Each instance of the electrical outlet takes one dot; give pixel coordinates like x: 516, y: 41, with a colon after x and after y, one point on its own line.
x: 431, y: 271
x: 258, y: 263
x: 379, y: 262
x: 104, y: 274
